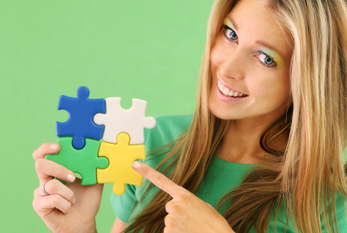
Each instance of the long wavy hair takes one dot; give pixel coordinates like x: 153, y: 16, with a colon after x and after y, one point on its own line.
x: 309, y: 172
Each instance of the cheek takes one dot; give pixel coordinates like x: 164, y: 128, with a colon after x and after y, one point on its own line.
x: 217, y: 56
x: 213, y: 59
x: 268, y: 83
x: 284, y: 85
x: 274, y: 87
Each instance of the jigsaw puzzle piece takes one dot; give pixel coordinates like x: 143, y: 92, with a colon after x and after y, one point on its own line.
x: 120, y: 156
x: 118, y: 120
x: 84, y: 161
x: 80, y: 125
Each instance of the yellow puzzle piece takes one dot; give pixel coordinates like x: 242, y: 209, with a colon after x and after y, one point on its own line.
x: 120, y: 156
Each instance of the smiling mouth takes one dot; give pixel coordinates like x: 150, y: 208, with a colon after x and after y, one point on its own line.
x: 226, y: 91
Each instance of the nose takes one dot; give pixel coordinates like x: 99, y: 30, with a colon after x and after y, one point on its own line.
x: 231, y: 65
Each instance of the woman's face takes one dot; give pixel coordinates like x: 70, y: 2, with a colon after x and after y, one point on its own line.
x: 250, y: 65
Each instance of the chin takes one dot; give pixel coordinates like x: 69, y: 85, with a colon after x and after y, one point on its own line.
x: 222, y: 116
x: 219, y: 112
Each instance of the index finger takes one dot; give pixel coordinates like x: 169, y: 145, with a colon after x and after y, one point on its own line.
x: 46, y: 148
x: 158, y: 179
x: 47, y: 169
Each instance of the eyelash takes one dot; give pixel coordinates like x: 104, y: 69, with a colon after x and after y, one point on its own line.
x: 226, y: 28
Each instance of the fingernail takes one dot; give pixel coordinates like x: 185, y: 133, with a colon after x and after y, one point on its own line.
x: 71, y: 178
x: 136, y: 164
x: 54, y: 146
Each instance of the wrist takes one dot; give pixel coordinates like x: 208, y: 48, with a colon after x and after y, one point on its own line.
x: 91, y: 227
x: 86, y: 226
x: 93, y: 230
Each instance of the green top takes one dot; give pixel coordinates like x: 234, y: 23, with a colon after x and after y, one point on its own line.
x: 221, y: 177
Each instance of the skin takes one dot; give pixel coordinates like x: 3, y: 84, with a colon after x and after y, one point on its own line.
x: 69, y: 208
x: 186, y: 212
x: 64, y: 208
x: 236, y: 60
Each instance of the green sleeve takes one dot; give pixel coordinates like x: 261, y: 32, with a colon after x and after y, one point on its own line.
x: 124, y: 204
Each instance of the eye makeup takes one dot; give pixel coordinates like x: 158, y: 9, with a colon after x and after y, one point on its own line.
x: 278, y: 59
x: 228, y: 23
x: 269, y: 52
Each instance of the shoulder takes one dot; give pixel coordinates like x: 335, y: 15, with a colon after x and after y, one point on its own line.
x: 171, y: 125
x: 167, y: 129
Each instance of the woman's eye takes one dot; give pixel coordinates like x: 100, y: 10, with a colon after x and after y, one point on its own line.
x: 266, y: 60
x: 229, y: 33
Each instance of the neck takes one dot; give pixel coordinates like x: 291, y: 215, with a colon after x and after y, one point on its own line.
x: 241, y: 142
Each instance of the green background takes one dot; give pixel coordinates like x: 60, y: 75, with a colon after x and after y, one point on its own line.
x: 143, y: 49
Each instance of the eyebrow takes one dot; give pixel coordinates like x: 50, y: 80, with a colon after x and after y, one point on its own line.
x: 259, y: 42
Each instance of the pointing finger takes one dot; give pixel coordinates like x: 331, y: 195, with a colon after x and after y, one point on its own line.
x: 158, y: 179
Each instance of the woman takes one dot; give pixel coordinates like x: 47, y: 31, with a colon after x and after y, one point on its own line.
x: 264, y: 147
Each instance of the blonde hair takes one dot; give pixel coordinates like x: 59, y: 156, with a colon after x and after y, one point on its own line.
x: 307, y: 175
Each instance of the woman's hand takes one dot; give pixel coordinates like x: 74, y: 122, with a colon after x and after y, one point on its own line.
x: 186, y: 212
x: 63, y: 208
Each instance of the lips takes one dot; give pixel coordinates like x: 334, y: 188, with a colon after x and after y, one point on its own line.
x: 227, y: 91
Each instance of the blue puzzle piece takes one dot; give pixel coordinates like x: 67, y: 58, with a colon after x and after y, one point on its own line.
x: 80, y: 125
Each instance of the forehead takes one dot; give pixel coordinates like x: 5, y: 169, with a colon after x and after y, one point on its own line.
x: 255, y: 21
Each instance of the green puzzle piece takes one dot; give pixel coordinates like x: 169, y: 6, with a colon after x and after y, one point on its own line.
x: 84, y: 161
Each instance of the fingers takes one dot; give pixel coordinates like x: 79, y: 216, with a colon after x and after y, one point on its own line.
x: 44, y: 205
x: 44, y: 149
x: 158, y: 179
x: 169, y: 221
x: 171, y: 224
x: 55, y: 187
x: 59, y: 197
x: 51, y: 194
x: 171, y: 207
x: 47, y: 169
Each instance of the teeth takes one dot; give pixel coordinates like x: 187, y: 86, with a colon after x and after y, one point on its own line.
x: 228, y: 92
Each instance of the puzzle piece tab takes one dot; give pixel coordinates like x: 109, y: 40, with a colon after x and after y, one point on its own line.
x: 84, y: 161
x: 80, y: 125
x: 118, y: 120
x: 120, y: 156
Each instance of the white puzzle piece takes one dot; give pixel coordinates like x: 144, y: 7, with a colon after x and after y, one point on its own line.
x: 118, y: 120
